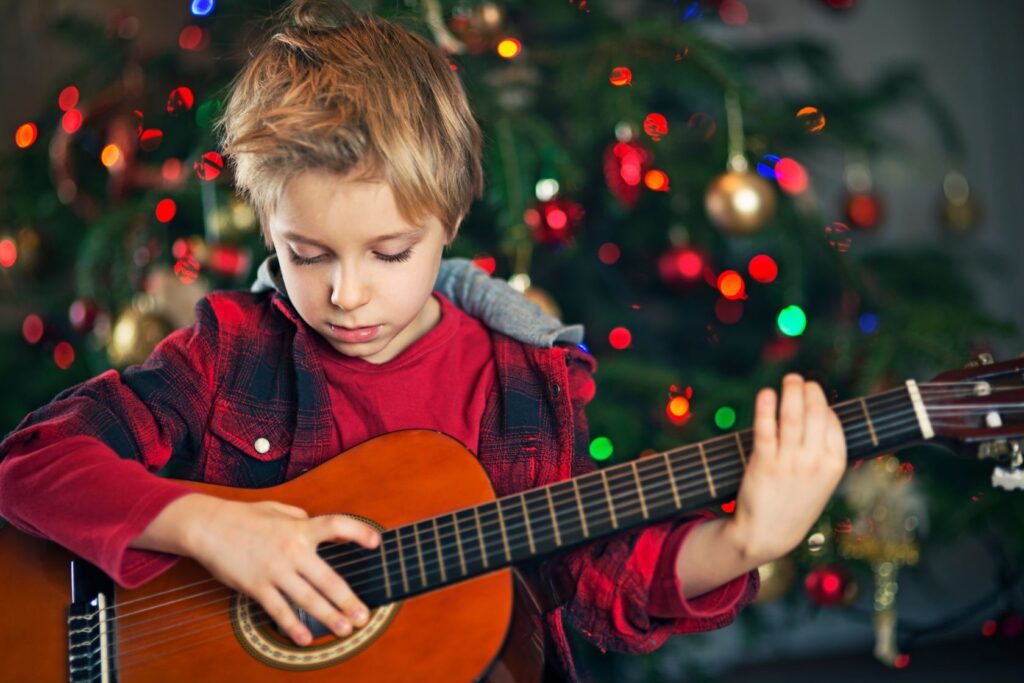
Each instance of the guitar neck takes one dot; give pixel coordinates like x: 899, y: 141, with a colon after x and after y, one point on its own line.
x: 434, y: 552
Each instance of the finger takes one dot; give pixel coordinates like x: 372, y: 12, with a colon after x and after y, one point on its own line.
x: 815, y: 421
x: 835, y: 440
x: 283, y: 615
x: 345, y: 528
x: 310, y: 599
x: 765, y: 424
x: 325, y: 579
x: 791, y: 416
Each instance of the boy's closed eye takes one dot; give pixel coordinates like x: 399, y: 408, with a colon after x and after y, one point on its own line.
x: 310, y: 260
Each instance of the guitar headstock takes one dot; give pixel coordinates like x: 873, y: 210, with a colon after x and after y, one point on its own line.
x: 979, y: 412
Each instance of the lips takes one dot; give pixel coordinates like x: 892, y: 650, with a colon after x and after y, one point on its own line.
x: 354, y: 335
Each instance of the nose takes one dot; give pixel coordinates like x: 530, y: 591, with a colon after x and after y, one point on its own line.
x: 349, y: 290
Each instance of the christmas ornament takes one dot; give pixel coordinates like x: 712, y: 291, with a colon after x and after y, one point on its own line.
x: 172, y: 299
x: 776, y: 579
x: 959, y: 211
x: 554, y: 222
x: 134, y: 336
x: 889, y: 513
x: 830, y: 585
x: 626, y: 162
x: 738, y: 202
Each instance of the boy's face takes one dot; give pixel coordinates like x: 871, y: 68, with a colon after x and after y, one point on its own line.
x: 349, y: 260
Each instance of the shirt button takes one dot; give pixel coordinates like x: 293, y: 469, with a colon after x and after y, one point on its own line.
x: 555, y: 389
x: 261, y: 445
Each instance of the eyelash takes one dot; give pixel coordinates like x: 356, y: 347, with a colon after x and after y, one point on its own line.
x: 387, y: 258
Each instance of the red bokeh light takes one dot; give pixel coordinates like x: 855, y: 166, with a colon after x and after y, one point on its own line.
x: 620, y: 338
x: 791, y: 176
x: 64, y: 355
x: 763, y: 268
x: 609, y: 253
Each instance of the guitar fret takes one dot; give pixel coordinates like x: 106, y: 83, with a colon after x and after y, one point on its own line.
x: 440, y: 559
x: 529, y: 530
x: 707, y: 470
x: 739, y: 447
x: 871, y: 426
x: 672, y: 480
x: 419, y: 554
x: 384, y: 568
x: 458, y: 542
x: 401, y: 560
x: 504, y: 535
x: 480, y: 533
x: 640, y: 490
x: 554, y: 520
x: 579, y: 504
x: 608, y: 495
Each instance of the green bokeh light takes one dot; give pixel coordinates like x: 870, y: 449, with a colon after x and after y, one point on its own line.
x: 601, y: 448
x: 725, y: 417
x: 792, y: 321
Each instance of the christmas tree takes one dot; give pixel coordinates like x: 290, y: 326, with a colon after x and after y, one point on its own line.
x: 642, y: 180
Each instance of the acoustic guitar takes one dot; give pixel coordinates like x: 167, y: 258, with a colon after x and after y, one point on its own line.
x: 446, y: 603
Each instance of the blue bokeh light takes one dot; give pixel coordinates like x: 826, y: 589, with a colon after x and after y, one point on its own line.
x: 868, y: 323
x: 202, y: 8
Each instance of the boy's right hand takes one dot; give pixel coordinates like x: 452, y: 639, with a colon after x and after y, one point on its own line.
x: 268, y: 551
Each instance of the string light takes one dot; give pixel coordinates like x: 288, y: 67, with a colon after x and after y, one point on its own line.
x: 725, y: 417
x: 763, y: 268
x: 165, y: 210
x: 621, y: 76
x: 509, y: 48
x: 792, y: 321
x: 620, y: 338
x: 202, y: 8
x: 601, y: 448
x: 26, y: 135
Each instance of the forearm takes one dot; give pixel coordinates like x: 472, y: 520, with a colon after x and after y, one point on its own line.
x: 712, y: 555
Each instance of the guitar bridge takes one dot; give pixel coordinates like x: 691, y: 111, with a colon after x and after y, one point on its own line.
x: 90, y: 626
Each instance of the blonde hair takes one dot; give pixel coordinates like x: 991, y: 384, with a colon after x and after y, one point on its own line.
x: 332, y: 89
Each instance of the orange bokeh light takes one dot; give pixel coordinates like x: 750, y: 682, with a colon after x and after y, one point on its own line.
x: 509, y: 48
x: 656, y: 180
x: 26, y: 134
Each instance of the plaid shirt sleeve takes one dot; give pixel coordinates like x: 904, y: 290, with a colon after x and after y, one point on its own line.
x: 606, y: 586
x: 78, y: 470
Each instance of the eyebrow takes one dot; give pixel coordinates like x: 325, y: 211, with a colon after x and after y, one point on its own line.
x: 296, y: 237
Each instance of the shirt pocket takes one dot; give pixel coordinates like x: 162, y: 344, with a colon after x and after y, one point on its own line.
x: 254, y: 431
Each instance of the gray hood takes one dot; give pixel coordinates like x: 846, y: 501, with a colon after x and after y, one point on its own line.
x: 490, y: 299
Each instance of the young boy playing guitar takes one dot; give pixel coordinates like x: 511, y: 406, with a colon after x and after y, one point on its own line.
x: 354, y: 142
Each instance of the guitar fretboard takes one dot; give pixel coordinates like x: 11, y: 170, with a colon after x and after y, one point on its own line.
x: 435, y: 552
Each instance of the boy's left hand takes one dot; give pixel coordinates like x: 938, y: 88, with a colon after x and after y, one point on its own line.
x: 797, y: 461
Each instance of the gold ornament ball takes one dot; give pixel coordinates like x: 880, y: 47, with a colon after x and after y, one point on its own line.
x: 961, y: 217
x: 739, y: 203
x: 544, y: 300
x: 776, y: 578
x: 134, y: 336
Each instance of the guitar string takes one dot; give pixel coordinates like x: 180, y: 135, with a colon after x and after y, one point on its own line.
x: 657, y: 498
x: 853, y: 405
x: 438, y: 563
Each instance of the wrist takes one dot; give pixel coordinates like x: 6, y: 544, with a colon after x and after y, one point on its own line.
x: 751, y: 550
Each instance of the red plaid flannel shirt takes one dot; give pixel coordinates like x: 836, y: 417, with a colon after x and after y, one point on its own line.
x: 247, y: 368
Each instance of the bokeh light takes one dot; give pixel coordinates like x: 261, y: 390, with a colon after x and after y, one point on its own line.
x: 71, y: 121
x: 729, y: 311
x: 656, y: 126
x: 165, y: 210
x: 868, y: 323
x: 32, y: 328
x: 193, y: 37
x: 813, y: 120
x: 791, y: 176
x: 621, y: 76
x: 180, y: 100
x: 202, y: 8
x: 209, y: 166
x: 509, y: 48
x: 733, y: 12
x: 26, y: 135
x: 150, y: 139
x: 703, y: 125
x: 110, y: 156
x: 792, y: 321
x: 838, y: 237
x: 170, y: 170
x: 609, y: 253
x: 64, y: 355
x: 601, y: 448
x: 725, y: 417
x: 8, y: 252
x: 656, y: 180
x: 731, y: 285
x: 766, y: 166
x: 620, y: 338
x: 68, y: 98
x: 763, y: 268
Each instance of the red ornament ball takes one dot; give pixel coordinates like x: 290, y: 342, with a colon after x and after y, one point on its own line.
x: 554, y: 221
x: 827, y: 585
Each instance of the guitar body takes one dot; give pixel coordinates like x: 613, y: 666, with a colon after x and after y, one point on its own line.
x: 194, y: 632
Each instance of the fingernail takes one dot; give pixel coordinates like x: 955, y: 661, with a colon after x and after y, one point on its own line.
x: 343, y: 628
x: 361, y: 615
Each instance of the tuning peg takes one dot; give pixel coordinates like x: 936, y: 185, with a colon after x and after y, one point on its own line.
x: 981, y: 359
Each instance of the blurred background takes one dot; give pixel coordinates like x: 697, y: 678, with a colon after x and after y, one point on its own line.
x: 721, y: 191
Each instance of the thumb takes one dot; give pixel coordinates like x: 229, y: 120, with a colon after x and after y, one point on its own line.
x: 351, y: 529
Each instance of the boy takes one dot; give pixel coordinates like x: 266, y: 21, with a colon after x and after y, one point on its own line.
x: 353, y: 140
